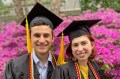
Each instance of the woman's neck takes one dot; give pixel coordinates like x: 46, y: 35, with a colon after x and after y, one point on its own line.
x: 83, y: 62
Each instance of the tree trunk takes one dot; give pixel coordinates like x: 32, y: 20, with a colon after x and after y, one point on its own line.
x: 55, y: 6
x: 18, y: 10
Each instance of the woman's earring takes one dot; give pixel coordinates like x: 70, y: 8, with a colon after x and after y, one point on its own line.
x: 74, y: 59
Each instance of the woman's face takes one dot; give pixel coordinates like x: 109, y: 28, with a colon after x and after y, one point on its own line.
x: 81, y: 47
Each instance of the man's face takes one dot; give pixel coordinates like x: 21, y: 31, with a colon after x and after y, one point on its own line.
x: 41, y: 38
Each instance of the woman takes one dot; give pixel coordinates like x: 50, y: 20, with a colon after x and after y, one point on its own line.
x: 81, y: 53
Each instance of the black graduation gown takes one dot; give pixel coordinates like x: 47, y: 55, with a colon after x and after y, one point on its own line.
x: 68, y: 71
x: 18, y: 69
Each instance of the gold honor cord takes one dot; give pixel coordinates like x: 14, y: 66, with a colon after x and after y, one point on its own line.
x: 93, y: 70
x: 61, y: 56
x: 77, y: 70
x: 29, y: 47
x: 54, y: 59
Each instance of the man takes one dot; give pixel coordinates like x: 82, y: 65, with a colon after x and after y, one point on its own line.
x: 41, y: 22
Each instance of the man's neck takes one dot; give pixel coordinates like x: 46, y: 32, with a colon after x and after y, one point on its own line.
x: 43, y: 58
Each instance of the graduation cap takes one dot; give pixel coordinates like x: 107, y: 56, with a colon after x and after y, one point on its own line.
x: 40, y: 13
x: 78, y: 28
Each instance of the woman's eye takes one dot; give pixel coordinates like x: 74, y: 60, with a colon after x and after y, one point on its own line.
x: 75, y: 45
x: 84, y: 43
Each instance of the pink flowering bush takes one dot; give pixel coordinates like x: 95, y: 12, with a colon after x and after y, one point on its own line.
x: 12, y: 43
x: 107, y: 39
x: 106, y: 33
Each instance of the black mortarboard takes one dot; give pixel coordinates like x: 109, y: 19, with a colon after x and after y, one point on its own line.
x: 78, y: 28
x: 40, y: 13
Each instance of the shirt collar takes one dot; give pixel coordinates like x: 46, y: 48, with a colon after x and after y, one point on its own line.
x: 36, y: 60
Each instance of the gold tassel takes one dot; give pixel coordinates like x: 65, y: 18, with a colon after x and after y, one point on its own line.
x: 29, y: 46
x: 61, y: 56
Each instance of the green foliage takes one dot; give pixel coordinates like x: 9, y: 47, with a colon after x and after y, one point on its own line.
x: 0, y: 28
x: 95, y: 4
x: 53, y: 48
x: 49, y: 1
x: 3, y: 10
x: 1, y: 2
x: 46, y: 1
x: 28, y: 1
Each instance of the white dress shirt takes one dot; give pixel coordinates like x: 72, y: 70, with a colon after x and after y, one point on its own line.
x: 41, y: 69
